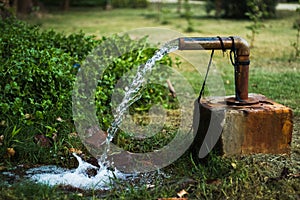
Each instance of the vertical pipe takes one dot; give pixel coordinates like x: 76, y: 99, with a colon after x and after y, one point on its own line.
x: 241, y: 78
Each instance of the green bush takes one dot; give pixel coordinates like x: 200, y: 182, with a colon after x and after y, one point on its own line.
x: 238, y: 8
x: 37, y: 75
x: 38, y: 70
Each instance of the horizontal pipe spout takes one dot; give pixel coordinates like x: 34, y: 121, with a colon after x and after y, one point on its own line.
x: 209, y: 43
x: 224, y: 43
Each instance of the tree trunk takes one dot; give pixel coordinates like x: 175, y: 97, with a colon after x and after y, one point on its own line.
x: 24, y: 6
x: 66, y: 5
x: 4, y: 9
x: 5, y: 4
x: 179, y: 5
x: 108, y: 5
x: 218, y: 4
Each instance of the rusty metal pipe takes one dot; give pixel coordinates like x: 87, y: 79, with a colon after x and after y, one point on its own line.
x: 242, y: 53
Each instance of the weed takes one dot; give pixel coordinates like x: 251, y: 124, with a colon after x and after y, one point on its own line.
x: 255, y: 15
x: 296, y: 44
x: 188, y: 16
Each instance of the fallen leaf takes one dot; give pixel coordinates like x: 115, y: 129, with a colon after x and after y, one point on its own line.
x: 1, y: 139
x: 73, y: 134
x: 294, y: 175
x: 10, y: 152
x: 54, y: 136
x: 150, y: 186
x: 182, y: 193
x: 73, y: 150
x: 59, y: 119
x: 233, y: 165
x: 2, y: 123
x: 27, y: 116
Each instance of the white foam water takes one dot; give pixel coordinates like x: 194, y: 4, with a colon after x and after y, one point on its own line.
x: 77, y: 178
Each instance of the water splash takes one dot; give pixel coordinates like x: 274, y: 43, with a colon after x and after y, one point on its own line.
x: 78, y: 178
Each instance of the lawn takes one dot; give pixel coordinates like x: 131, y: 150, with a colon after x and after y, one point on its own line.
x: 274, y: 72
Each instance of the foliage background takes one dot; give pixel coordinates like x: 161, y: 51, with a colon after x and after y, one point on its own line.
x: 38, y: 71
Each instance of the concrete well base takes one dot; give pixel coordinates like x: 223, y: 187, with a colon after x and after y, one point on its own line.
x: 265, y: 127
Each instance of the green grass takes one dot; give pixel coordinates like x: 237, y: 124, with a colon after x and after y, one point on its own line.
x: 273, y: 72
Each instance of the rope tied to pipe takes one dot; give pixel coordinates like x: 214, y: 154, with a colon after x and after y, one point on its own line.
x: 222, y: 45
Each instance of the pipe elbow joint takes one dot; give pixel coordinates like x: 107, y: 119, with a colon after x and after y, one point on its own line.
x: 242, y: 46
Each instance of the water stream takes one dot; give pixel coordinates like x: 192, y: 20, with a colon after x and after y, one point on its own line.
x: 79, y: 177
x: 132, y: 94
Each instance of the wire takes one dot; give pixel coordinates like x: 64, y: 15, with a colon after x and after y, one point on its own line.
x: 205, y: 78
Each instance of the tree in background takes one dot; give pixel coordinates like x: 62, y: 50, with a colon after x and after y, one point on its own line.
x: 257, y: 12
x: 66, y: 5
x: 179, y: 6
x: 296, y: 44
x: 238, y: 8
x: 24, y: 7
x: 4, y: 9
x: 19, y: 7
x: 188, y: 16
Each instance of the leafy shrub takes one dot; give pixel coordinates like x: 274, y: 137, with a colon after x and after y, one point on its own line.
x: 38, y: 71
x: 37, y: 76
x: 238, y: 9
x: 36, y: 68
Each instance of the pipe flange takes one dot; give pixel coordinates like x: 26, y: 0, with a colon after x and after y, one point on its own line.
x: 234, y: 101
